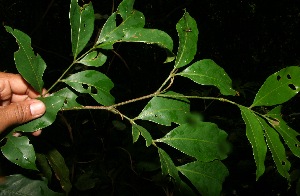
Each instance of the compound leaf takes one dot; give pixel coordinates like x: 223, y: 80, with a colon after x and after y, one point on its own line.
x: 188, y: 38
x: 207, y: 177
x: 255, y: 135
x: 29, y: 65
x: 82, y: 25
x: 94, y: 59
x: 18, y: 150
x: 204, y: 141
x: 93, y: 82
x: 279, y: 87
x: 207, y: 72
x: 164, y: 110
x: 137, y: 130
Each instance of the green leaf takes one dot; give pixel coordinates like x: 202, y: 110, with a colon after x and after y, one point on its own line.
x: 279, y: 87
x: 95, y: 83
x: 204, y: 141
x: 94, y: 59
x: 69, y: 98
x: 18, y: 150
x: 277, y: 149
x: 125, y: 8
x: 82, y: 25
x: 288, y: 134
x: 164, y: 110
x: 207, y: 72
x: 53, y: 105
x: 206, y: 177
x: 255, y: 135
x: 20, y: 185
x: 137, y: 130
x: 29, y: 65
x: 188, y: 38
x: 167, y: 165
x: 149, y: 36
x: 60, y: 169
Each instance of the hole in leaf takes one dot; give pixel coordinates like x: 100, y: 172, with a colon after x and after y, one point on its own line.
x: 298, y: 137
x: 282, y: 162
x: 278, y: 78
x: 293, y: 87
x: 66, y: 101
x: 297, y: 145
x: 156, y: 115
x: 17, y: 159
x: 289, y: 76
x: 85, y: 86
x: 118, y: 19
x: 94, y: 90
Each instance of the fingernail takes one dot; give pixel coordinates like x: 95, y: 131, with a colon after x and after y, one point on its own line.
x: 37, y: 108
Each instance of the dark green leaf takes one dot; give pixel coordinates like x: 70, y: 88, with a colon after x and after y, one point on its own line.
x: 30, y: 66
x: 82, y: 25
x: 277, y: 149
x: 288, y: 134
x: 167, y: 165
x: 164, y: 110
x: 125, y: 8
x: 53, y: 105
x: 19, y: 151
x: 206, y: 177
x: 279, y: 87
x: 204, y: 141
x: 207, y: 72
x: 20, y: 185
x: 95, y: 83
x: 137, y: 130
x: 69, y: 98
x: 94, y: 59
x: 188, y: 38
x: 255, y: 135
x: 60, y: 169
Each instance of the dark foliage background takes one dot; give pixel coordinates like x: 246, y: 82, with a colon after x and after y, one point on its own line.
x: 250, y: 39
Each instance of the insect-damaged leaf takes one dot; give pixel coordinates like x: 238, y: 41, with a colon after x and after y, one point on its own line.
x: 94, y: 59
x: 204, y: 141
x: 137, y: 130
x: 29, y: 65
x: 69, y: 98
x: 207, y: 72
x: 279, y: 87
x: 164, y: 110
x: 93, y: 82
x: 82, y: 25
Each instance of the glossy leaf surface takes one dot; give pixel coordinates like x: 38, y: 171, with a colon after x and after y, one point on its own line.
x: 53, y: 105
x: 279, y: 87
x: 20, y: 185
x: 69, y: 98
x: 188, y: 37
x: 164, y: 111
x: 255, y: 135
x: 94, y: 59
x: 207, y: 72
x: 204, y: 141
x: 287, y: 133
x: 29, y: 65
x: 137, y: 130
x: 277, y: 149
x: 207, y: 177
x: 95, y: 83
x: 82, y: 25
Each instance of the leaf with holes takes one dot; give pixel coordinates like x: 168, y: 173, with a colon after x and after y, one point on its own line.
x: 206, y: 177
x: 137, y: 130
x: 279, y: 87
x: 29, y: 65
x: 207, y: 72
x: 163, y: 110
x: 188, y: 37
x: 18, y: 150
x: 82, y: 25
x: 288, y: 134
x: 69, y: 98
x: 204, y: 141
x: 277, y: 149
x: 94, y: 59
x: 255, y: 135
x: 94, y: 83
x: 53, y: 105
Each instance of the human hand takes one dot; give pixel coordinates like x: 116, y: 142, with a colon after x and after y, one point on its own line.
x: 17, y: 101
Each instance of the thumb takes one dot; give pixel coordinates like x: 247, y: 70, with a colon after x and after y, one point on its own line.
x: 21, y: 112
